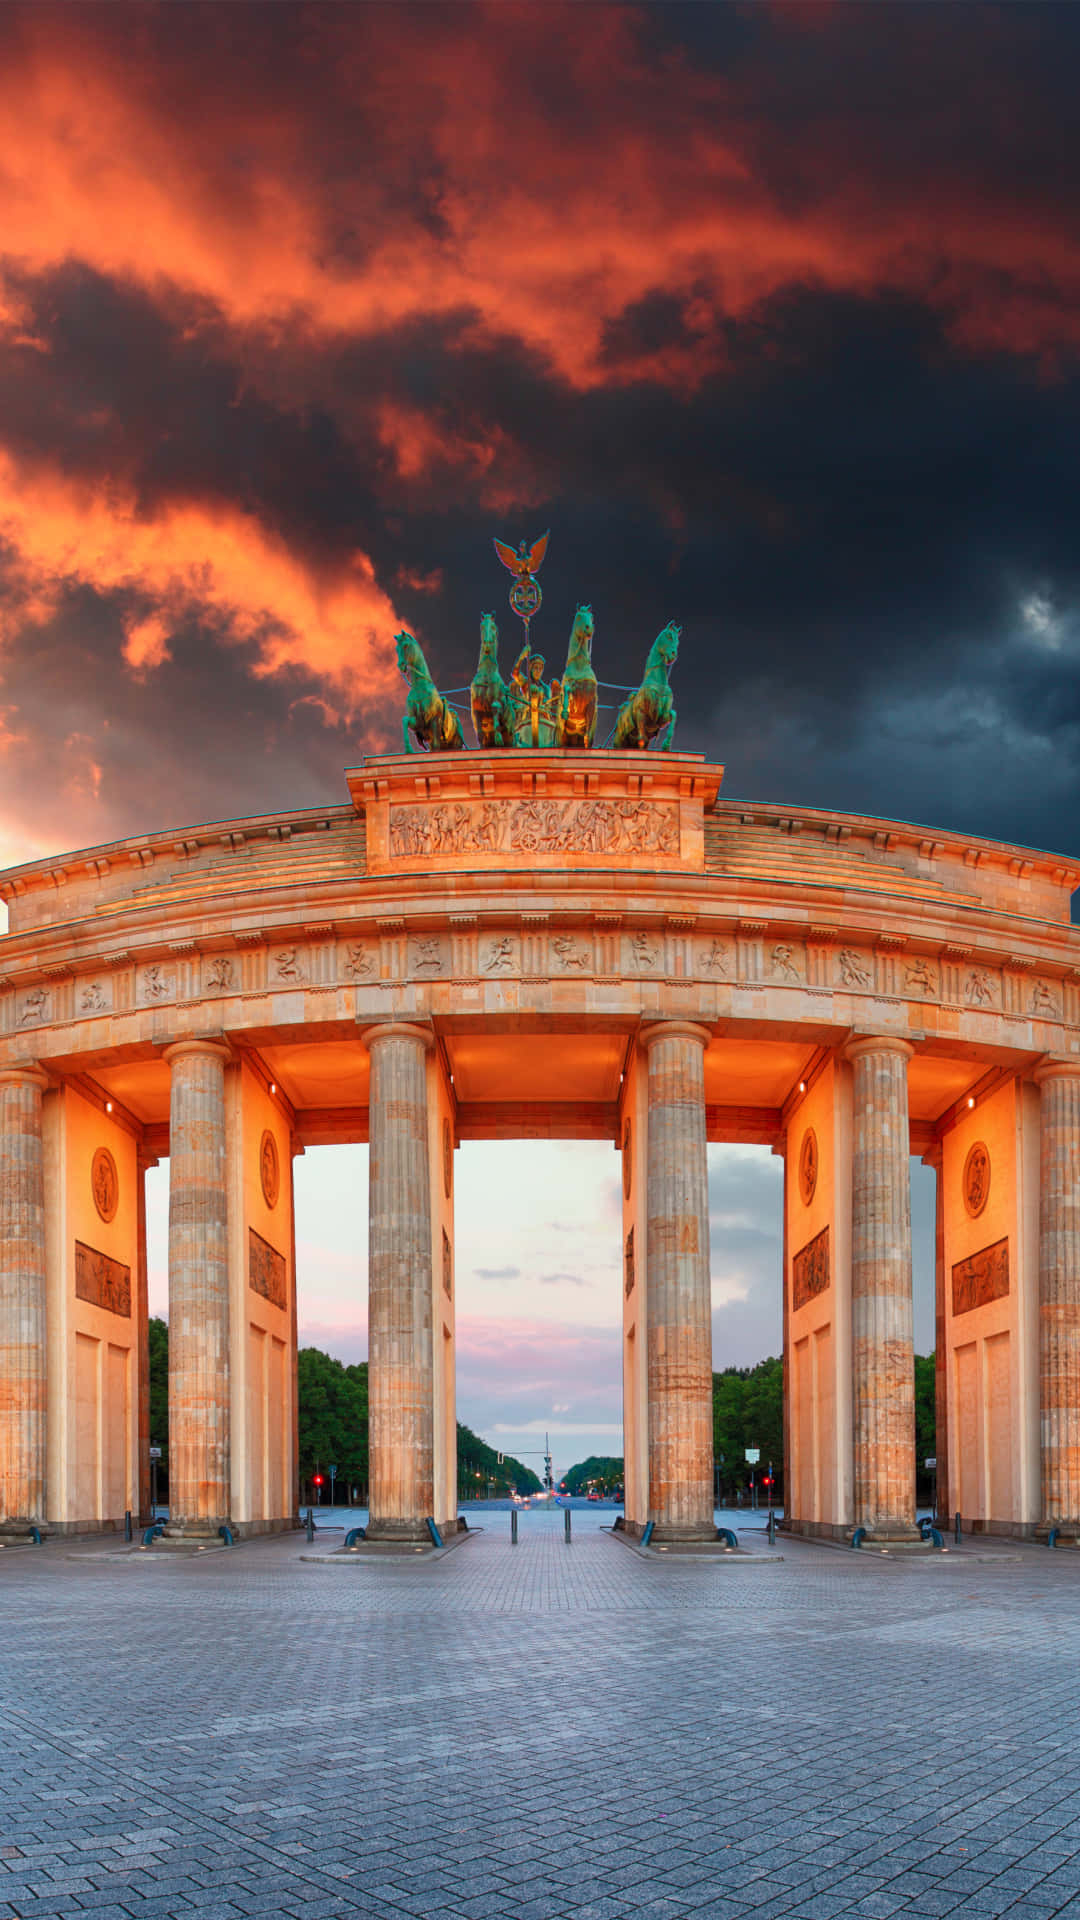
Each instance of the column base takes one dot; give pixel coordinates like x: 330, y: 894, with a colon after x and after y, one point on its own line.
x: 18, y: 1533
x: 892, y: 1533
x: 193, y: 1536
x: 668, y: 1533
x: 406, y: 1533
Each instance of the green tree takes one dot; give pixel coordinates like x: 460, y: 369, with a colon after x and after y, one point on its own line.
x: 748, y: 1411
x: 604, y: 1472
x: 479, y: 1466
x: 332, y: 1416
x: 159, y: 1385
x: 925, y: 1421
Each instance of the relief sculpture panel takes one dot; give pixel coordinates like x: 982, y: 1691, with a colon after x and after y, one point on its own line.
x: 983, y: 1277
x: 266, y: 1270
x: 534, y: 826
x: 810, y: 1270
x: 102, y: 1282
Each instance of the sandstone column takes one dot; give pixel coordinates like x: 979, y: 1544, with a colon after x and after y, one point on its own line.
x: 943, y: 1503
x: 23, y: 1375
x: 400, y: 1362
x: 882, y: 1342
x: 678, y: 1290
x: 199, y: 1457
x: 1059, y: 1295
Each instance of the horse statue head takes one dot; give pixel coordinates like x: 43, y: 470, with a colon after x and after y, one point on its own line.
x: 581, y: 633
x: 410, y: 656
x: 665, y: 647
x: 489, y: 636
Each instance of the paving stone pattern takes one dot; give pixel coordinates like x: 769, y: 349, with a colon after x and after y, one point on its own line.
x: 522, y: 1734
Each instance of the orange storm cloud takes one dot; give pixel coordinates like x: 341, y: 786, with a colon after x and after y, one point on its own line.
x: 413, y: 170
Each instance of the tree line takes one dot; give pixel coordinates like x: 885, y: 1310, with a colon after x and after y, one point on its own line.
x: 333, y: 1429
x: 332, y: 1404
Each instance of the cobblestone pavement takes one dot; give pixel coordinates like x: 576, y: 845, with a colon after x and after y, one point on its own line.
x: 536, y: 1732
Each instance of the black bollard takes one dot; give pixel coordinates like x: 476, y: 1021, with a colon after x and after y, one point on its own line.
x: 772, y: 1528
x: 127, y: 1523
x: 513, y: 1527
x: 310, y: 1524
x: 956, y: 1530
x: 566, y: 1524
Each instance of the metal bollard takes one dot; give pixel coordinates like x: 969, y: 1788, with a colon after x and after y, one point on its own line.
x: 566, y: 1524
x: 513, y: 1527
x: 772, y: 1528
x: 127, y: 1523
x: 310, y: 1524
x: 956, y: 1530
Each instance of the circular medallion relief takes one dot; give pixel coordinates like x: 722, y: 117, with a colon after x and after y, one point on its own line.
x: 269, y: 1172
x: 105, y: 1183
x: 808, y: 1166
x: 447, y: 1158
x: 627, y: 1159
x: 975, y: 1181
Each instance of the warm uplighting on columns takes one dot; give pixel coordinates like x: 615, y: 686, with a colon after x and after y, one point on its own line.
x: 882, y: 1341
x: 22, y: 1300
x: 1059, y: 1294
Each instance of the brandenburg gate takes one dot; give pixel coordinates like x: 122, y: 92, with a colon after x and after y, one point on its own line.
x: 547, y: 941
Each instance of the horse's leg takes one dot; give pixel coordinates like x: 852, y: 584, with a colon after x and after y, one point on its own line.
x: 405, y: 734
x: 670, y: 734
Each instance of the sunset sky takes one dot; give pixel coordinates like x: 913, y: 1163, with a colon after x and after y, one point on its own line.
x: 771, y: 312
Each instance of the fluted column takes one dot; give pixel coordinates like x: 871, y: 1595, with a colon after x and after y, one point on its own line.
x: 400, y: 1363
x: 23, y: 1375
x: 1059, y: 1294
x: 678, y: 1292
x: 882, y: 1342
x: 199, y: 1456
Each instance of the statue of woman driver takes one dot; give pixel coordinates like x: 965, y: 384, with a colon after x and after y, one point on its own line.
x: 536, y: 705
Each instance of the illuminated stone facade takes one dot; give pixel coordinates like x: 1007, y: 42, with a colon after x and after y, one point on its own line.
x: 558, y: 945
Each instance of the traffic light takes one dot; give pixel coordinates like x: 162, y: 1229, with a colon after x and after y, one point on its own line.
x: 766, y: 1479
x: 317, y: 1480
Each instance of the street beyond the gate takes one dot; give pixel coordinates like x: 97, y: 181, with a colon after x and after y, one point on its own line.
x: 542, y: 1731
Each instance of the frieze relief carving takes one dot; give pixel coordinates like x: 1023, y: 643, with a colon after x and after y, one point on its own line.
x: 980, y: 989
x: 427, y: 955
x: 102, y: 1282
x: 921, y: 978
x: 1044, y: 1001
x: 156, y: 985
x: 785, y: 962
x: 534, y: 826
x: 95, y: 997
x: 499, y: 955
x: 852, y: 968
x: 646, y: 953
x: 715, y: 960
x: 983, y: 1277
x: 361, y: 962
x: 571, y: 954
x: 34, y: 1007
x: 267, y: 1272
x: 219, y: 974
x: 287, y: 967
x: 810, y: 1270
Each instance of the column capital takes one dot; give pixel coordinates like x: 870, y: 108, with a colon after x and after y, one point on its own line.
x: 28, y: 1074
x: 674, y: 1030
x: 1056, y: 1070
x: 865, y: 1043
x: 182, y: 1049
x: 397, y: 1030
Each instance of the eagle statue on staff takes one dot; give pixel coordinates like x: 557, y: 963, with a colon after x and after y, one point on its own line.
x: 536, y: 705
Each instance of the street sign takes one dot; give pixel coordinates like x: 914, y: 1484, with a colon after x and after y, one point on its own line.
x: 753, y: 1455
x: 931, y: 1463
x: 331, y: 1470
x: 155, y: 1453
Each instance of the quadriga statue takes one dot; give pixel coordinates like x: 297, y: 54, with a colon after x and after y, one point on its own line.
x: 577, y: 715
x: 651, y: 709
x: 427, y: 715
x: 492, y: 706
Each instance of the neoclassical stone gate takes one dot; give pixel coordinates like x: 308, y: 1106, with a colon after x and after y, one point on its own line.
x: 565, y: 945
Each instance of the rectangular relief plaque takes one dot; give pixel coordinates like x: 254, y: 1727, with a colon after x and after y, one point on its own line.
x: 447, y: 1265
x: 266, y: 1270
x: 628, y: 1263
x: 810, y: 1270
x: 102, y: 1282
x: 982, y: 1277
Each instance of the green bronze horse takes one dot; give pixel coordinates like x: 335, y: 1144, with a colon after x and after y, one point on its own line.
x: 427, y: 715
x: 492, y: 707
x: 651, y: 709
x: 577, y: 715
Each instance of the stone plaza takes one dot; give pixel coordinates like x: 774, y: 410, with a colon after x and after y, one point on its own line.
x: 500, y: 1733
